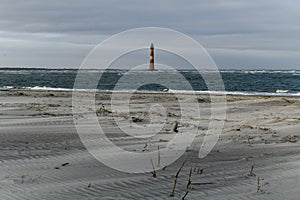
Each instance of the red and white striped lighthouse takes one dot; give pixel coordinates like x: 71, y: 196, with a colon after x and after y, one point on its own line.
x: 151, y: 65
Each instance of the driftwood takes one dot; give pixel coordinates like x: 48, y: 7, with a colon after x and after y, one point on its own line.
x: 175, y: 127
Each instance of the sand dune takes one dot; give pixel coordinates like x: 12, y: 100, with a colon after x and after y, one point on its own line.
x: 42, y: 156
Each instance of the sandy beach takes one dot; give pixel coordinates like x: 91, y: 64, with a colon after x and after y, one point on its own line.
x: 42, y: 157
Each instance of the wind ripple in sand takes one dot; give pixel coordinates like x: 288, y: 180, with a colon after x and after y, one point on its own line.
x: 72, y: 181
x: 33, y: 150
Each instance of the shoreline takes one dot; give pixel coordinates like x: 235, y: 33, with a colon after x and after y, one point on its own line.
x: 198, y: 93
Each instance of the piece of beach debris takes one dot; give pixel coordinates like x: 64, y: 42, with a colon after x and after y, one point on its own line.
x: 289, y: 138
x: 248, y: 126
x: 65, y: 164
x: 146, y: 144
x: 275, y: 135
x: 203, y: 100
x: 267, y: 130
x: 102, y: 110
x: 249, y: 142
x: 25, y: 178
x: 188, y: 149
x: 162, y: 140
x: 90, y: 184
x: 136, y: 119
x: 171, y: 114
x: 174, y: 127
x: 198, y: 170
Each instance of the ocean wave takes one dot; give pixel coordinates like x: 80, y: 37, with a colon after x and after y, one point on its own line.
x: 15, y: 72
x: 33, y: 88
x: 33, y: 71
x: 235, y: 93
x: 297, y: 72
x: 43, y: 88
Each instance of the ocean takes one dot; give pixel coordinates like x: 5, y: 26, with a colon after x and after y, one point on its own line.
x: 243, y: 82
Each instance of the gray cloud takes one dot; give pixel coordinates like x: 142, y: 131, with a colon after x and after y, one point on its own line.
x: 237, y: 33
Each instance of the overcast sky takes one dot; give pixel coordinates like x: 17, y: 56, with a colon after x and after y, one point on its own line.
x: 241, y: 34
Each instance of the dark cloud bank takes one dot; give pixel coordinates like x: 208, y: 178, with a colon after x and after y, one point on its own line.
x: 238, y: 34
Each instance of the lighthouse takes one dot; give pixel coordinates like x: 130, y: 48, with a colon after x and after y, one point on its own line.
x: 151, y: 65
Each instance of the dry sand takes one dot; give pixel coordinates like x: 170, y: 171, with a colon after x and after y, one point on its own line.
x: 42, y: 157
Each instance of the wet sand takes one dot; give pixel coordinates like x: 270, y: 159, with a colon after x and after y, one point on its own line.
x: 42, y: 156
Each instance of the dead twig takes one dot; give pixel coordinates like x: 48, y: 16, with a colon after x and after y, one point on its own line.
x: 189, y: 181
x: 64, y: 164
x: 251, y: 171
x: 258, y: 184
x: 176, y: 177
x: 90, y: 184
x: 153, y: 172
x: 188, y: 184
x: 158, y: 156
x: 185, y: 195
